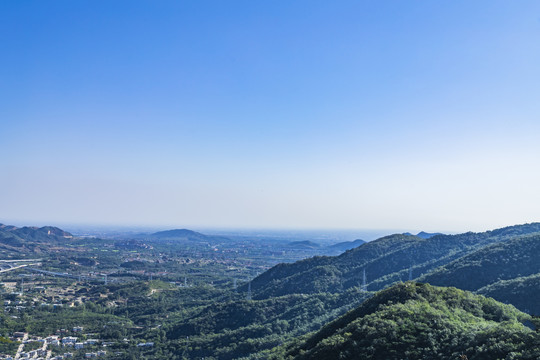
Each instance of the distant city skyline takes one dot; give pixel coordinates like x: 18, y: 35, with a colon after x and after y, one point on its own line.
x: 285, y: 115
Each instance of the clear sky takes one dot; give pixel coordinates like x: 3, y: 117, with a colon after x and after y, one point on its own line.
x: 420, y: 115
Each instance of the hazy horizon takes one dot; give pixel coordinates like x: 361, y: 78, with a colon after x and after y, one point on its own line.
x: 323, y: 234
x: 282, y: 115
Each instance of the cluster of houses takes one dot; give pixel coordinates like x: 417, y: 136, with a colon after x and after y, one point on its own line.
x: 34, y: 354
x: 89, y: 355
x: 14, y: 305
x: 21, y: 305
x: 56, y: 341
x: 70, y: 341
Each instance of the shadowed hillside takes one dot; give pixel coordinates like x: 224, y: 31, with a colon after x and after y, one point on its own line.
x: 502, y: 261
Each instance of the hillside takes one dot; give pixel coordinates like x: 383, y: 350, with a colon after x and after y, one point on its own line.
x: 522, y: 292
x: 28, y: 240
x: 386, y: 261
x: 502, y: 261
x: 232, y: 329
x: 34, y: 233
x: 419, y: 321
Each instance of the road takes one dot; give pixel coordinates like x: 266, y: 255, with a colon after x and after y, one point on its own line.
x: 18, y: 267
x: 21, y: 347
x: 44, y: 348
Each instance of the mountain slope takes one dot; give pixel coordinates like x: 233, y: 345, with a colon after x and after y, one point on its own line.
x: 27, y: 240
x: 502, y: 261
x: 324, y: 273
x: 232, y: 329
x: 522, y: 292
x: 419, y: 321
x: 386, y: 260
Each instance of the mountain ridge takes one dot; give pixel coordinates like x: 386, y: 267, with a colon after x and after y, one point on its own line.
x: 386, y: 260
x: 347, y: 245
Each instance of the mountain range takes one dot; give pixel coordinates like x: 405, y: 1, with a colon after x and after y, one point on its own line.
x: 25, y: 240
x: 469, y: 261
x: 299, y: 310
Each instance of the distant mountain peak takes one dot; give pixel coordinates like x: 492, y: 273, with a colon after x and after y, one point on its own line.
x: 304, y: 244
x: 177, y: 233
x: 53, y: 230
x: 186, y: 234
x: 347, y: 245
x: 35, y: 231
x: 7, y: 227
x: 426, y: 235
x: 423, y: 234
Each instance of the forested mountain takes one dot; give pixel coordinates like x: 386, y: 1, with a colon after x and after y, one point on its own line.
x: 26, y: 240
x: 41, y: 234
x: 522, y: 292
x: 502, y: 261
x: 237, y: 328
x: 32, y: 233
x: 419, y: 321
x: 294, y: 310
x: 385, y: 261
x: 245, y: 328
x: 9, y: 239
x: 507, y: 271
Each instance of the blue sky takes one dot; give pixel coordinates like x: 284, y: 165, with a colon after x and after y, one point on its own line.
x: 306, y: 114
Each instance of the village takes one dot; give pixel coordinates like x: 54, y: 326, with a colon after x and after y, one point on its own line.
x: 52, y: 295
x: 61, y: 345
